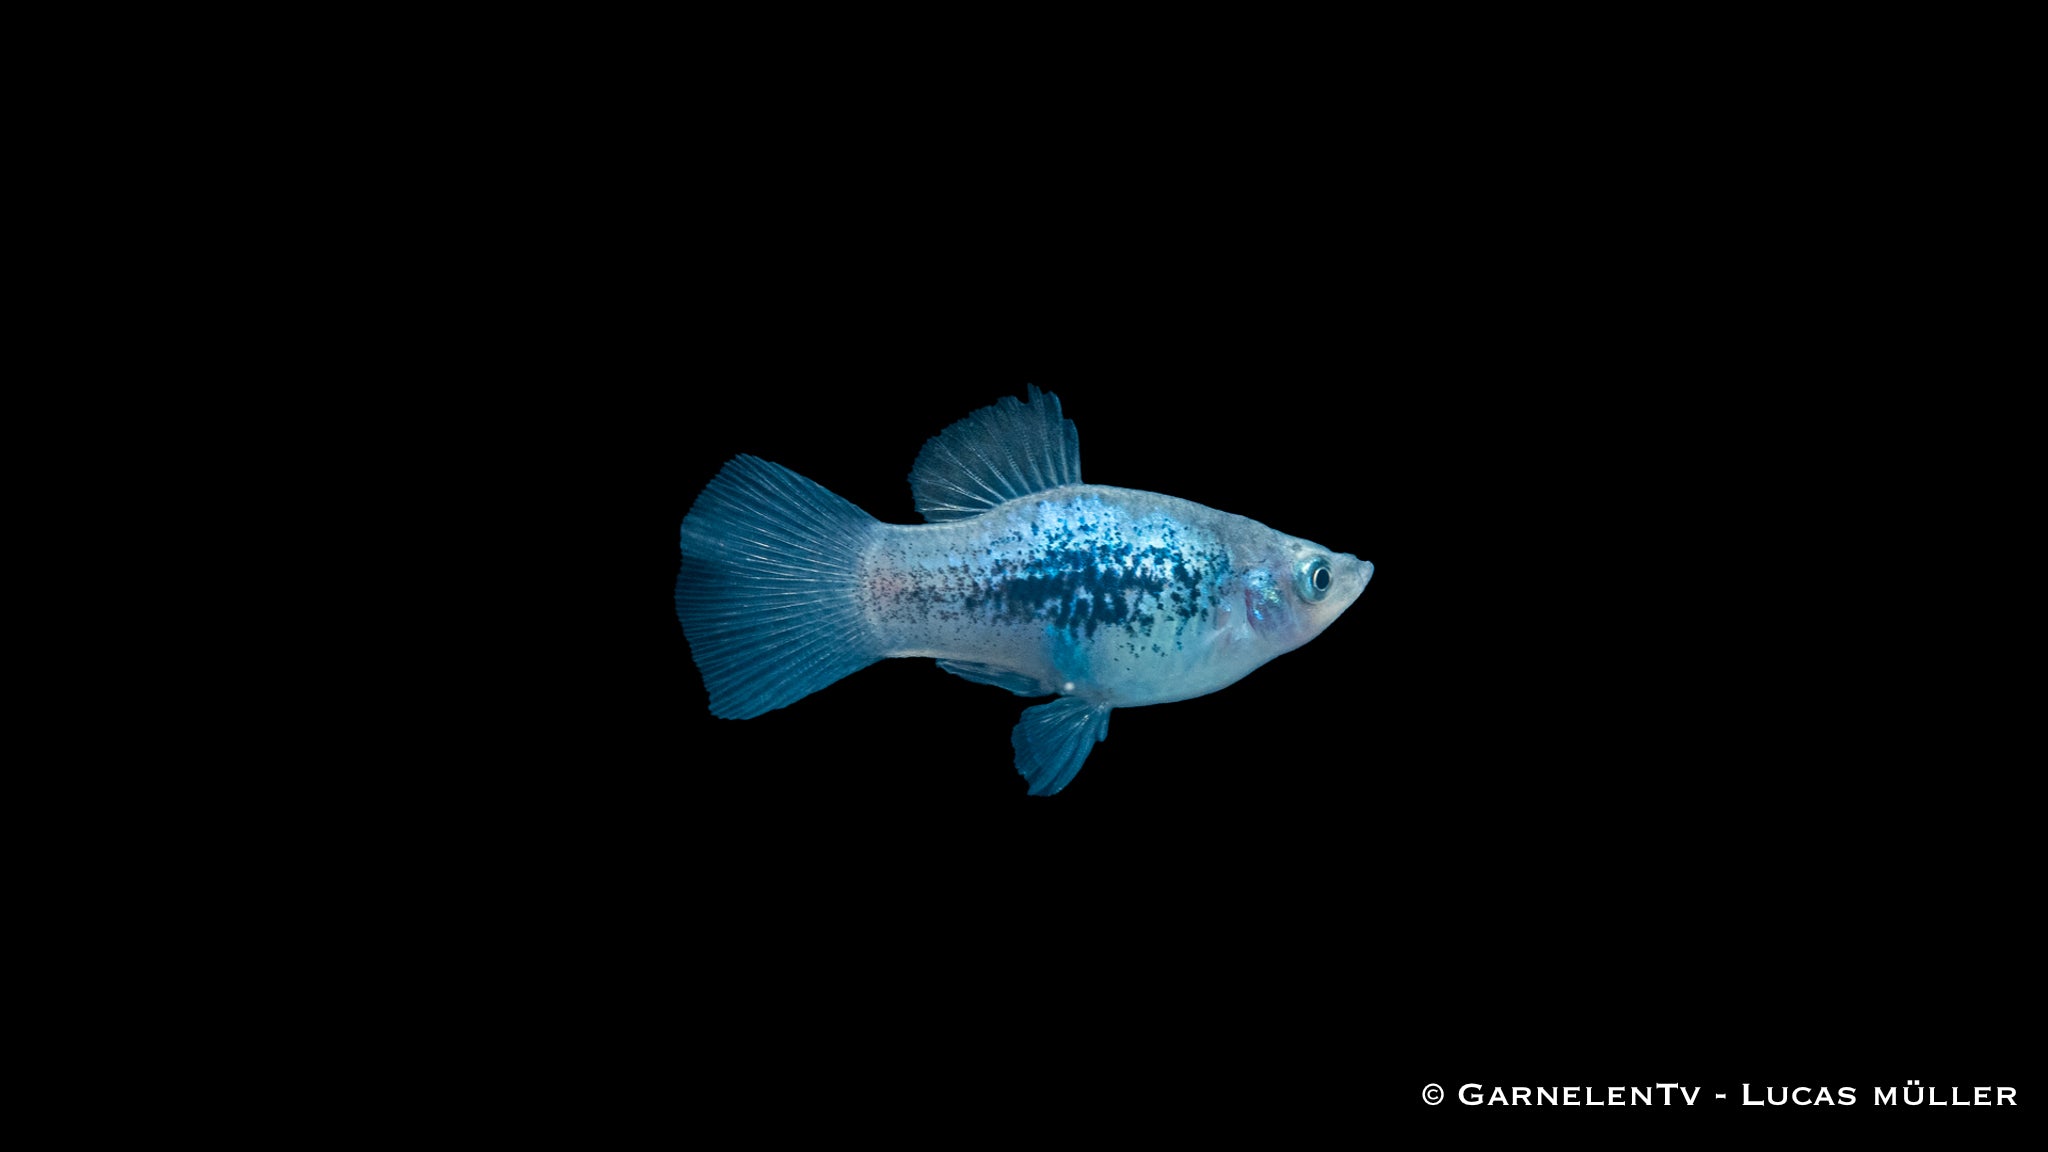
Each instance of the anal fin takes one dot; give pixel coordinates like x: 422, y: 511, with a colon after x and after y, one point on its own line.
x: 1053, y: 741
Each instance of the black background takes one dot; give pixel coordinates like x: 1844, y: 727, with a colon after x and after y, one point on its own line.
x: 1662, y: 746
x: 1640, y: 755
x: 1683, y: 734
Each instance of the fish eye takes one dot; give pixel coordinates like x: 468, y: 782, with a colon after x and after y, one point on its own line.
x: 1312, y: 578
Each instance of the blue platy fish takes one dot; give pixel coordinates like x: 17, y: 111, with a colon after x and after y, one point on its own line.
x: 1022, y: 577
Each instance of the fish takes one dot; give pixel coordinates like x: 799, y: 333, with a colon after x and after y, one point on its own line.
x: 1022, y: 577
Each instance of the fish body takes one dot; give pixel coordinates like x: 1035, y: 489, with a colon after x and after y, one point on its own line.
x: 1023, y: 577
x: 1117, y: 596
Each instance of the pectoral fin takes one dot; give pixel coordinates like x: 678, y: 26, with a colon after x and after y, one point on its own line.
x: 1053, y: 740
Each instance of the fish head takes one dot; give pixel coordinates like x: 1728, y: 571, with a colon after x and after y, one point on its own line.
x: 1295, y: 589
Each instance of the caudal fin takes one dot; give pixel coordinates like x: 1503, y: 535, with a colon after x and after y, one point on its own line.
x: 767, y: 589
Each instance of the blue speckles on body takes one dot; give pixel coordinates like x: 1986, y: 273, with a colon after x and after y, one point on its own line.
x: 1130, y: 584
x: 1089, y: 566
x: 1071, y: 660
x: 1079, y: 588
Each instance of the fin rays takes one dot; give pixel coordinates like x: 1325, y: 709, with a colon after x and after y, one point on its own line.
x: 1053, y: 740
x: 1007, y: 450
x: 766, y: 589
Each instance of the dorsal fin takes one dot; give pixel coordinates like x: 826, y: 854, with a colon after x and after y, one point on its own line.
x: 1006, y: 450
